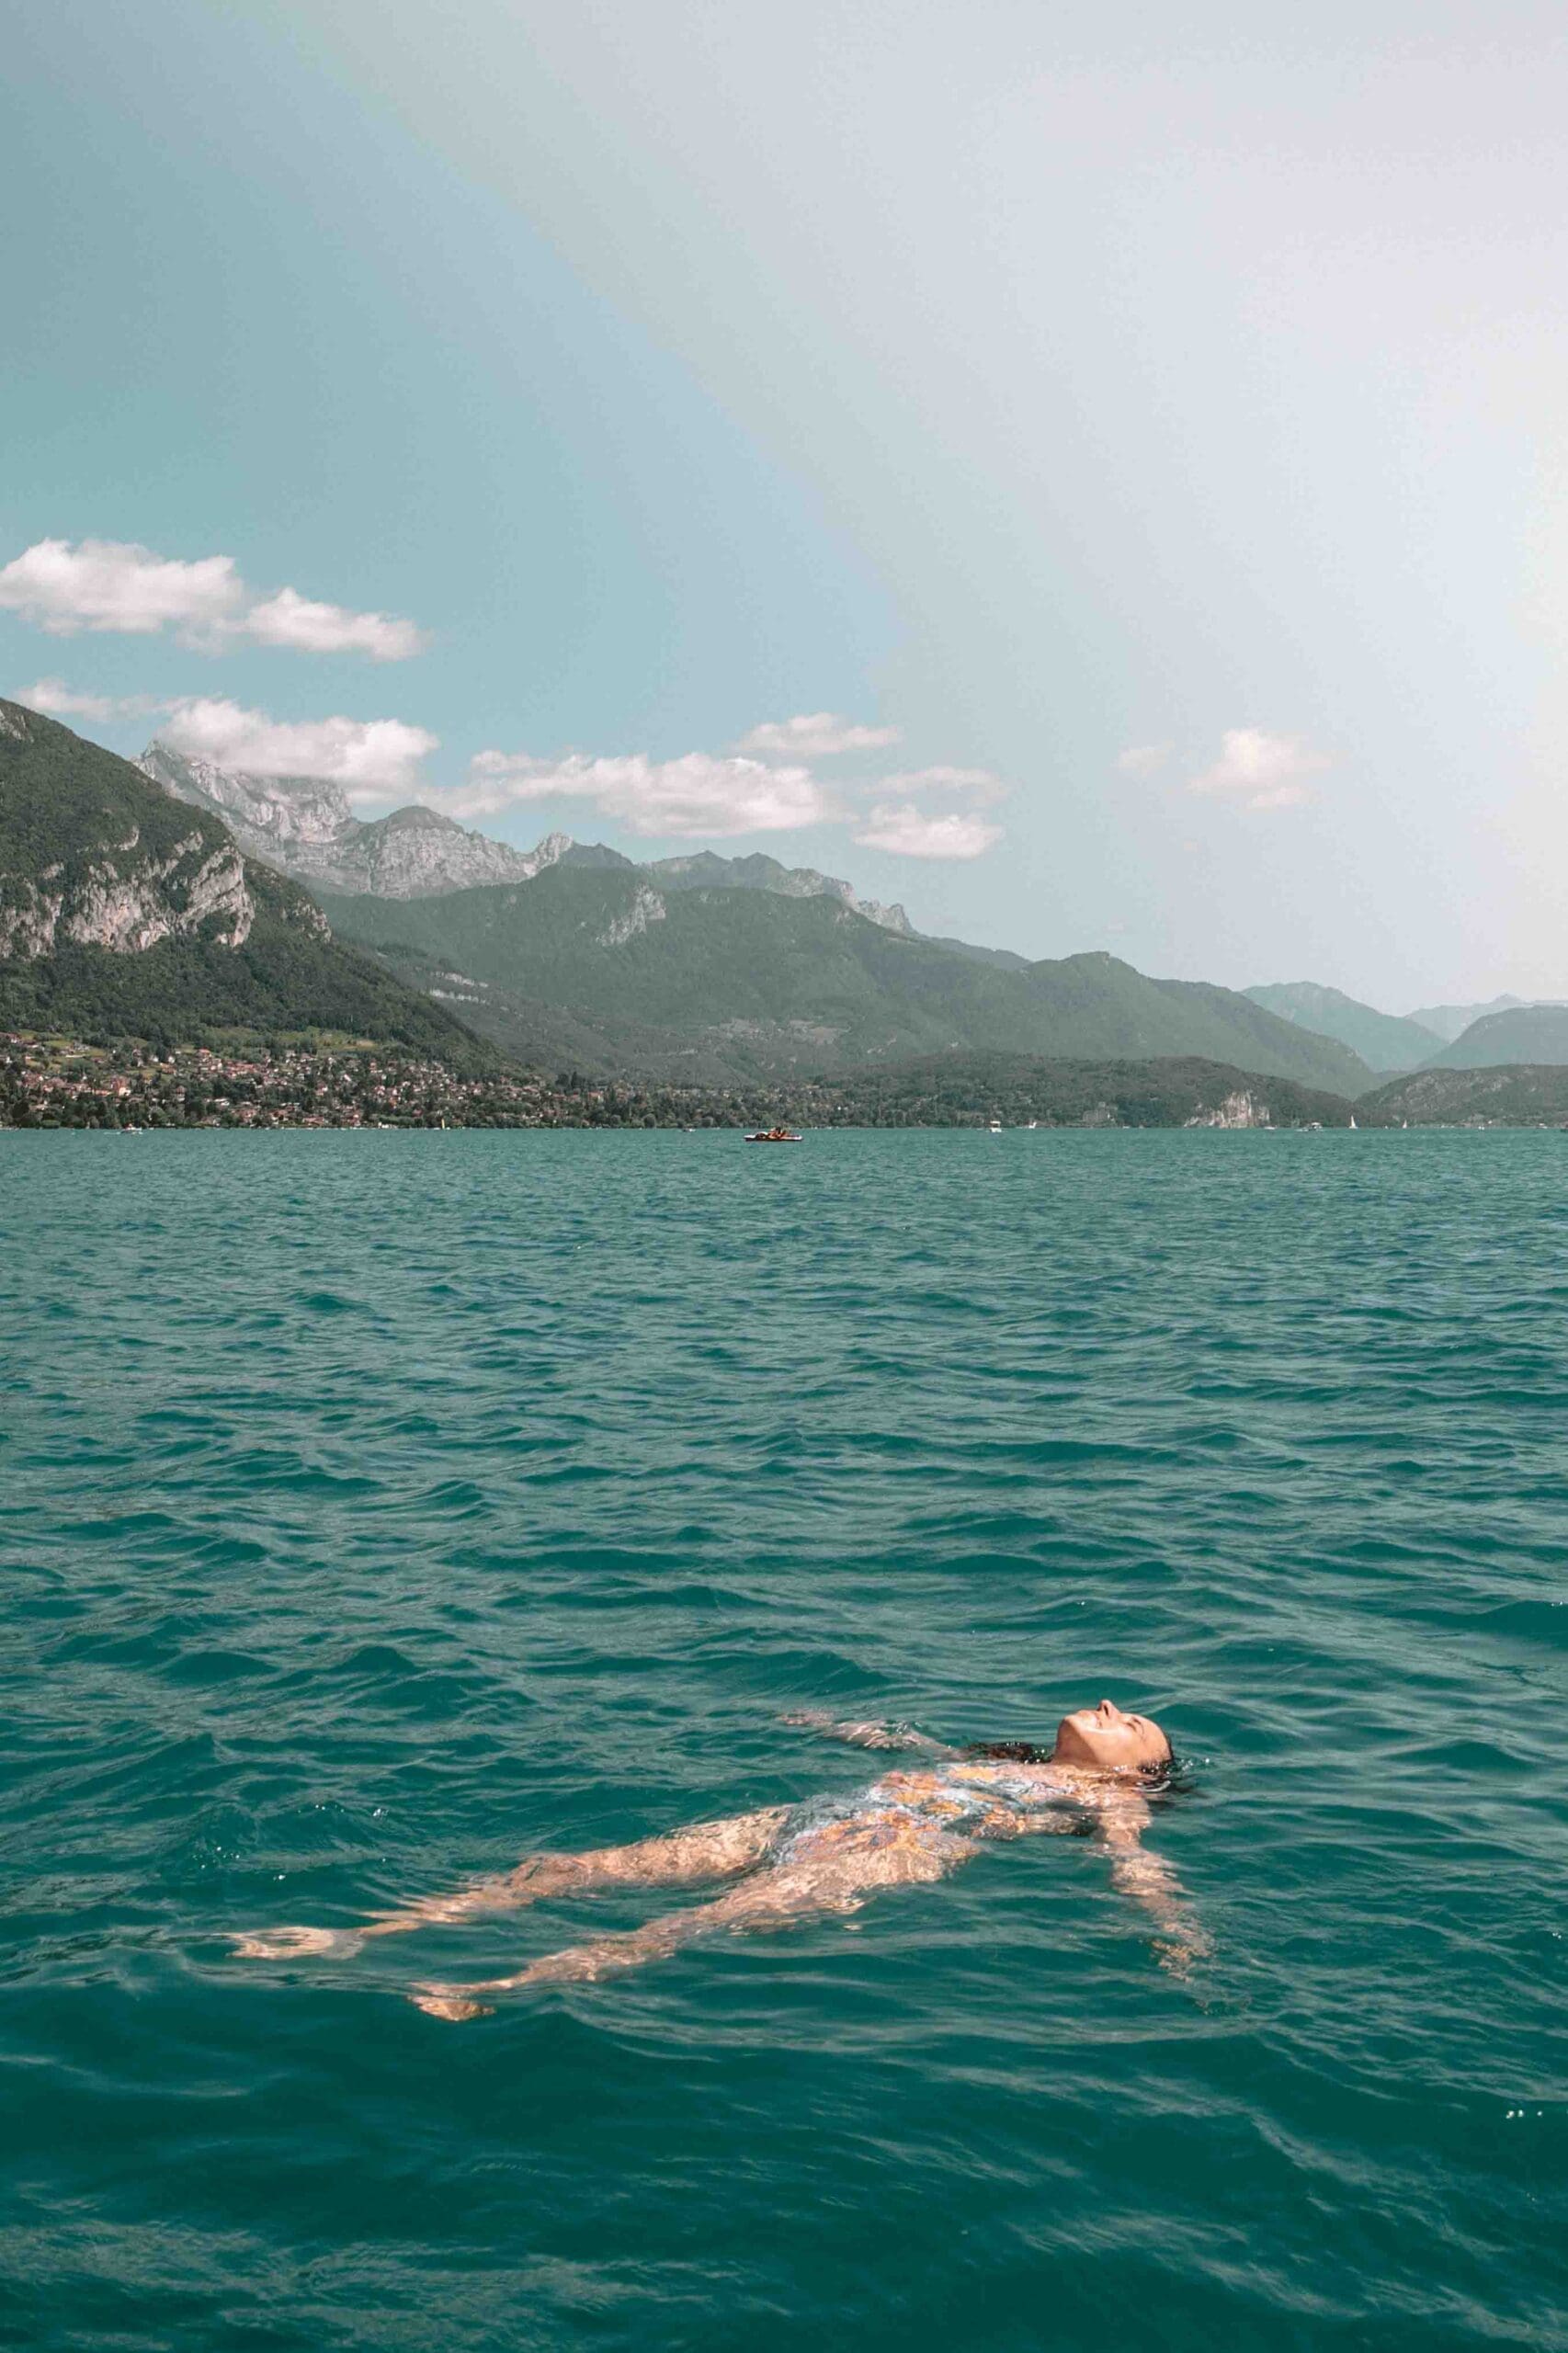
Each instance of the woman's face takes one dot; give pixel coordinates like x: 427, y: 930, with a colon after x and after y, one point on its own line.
x: 1111, y: 1742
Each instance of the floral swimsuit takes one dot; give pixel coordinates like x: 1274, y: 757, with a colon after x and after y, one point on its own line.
x: 956, y: 1800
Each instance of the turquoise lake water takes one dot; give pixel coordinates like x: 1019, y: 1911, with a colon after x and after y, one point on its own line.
x: 379, y: 1508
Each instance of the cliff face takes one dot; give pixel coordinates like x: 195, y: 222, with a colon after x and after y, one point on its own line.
x: 110, y: 885
x: 304, y: 826
x: 1242, y: 1108
x: 127, y: 904
x: 127, y: 912
x: 704, y: 869
x: 305, y: 812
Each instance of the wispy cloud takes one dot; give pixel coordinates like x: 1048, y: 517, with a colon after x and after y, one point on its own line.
x: 60, y: 701
x: 719, y: 795
x: 1143, y: 759
x: 1262, y: 771
x: 701, y: 793
x: 816, y: 735
x: 291, y: 619
x: 370, y: 757
x: 908, y: 832
x: 113, y: 584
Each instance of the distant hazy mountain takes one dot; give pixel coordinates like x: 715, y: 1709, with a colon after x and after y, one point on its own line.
x: 1448, y: 1022
x: 1383, y: 1039
x: 1525, y: 1033
x: 123, y: 912
x: 304, y: 826
x: 753, y: 981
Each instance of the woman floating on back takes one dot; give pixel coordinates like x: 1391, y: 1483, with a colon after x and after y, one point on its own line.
x: 791, y: 1863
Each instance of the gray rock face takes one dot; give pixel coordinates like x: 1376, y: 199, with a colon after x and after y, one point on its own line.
x: 646, y: 907
x: 1242, y: 1108
x: 706, y: 871
x: 126, y: 904
x: 304, y: 826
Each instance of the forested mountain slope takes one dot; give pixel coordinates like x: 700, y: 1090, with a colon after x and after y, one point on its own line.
x: 784, y: 983
x: 1526, y: 1033
x: 124, y: 912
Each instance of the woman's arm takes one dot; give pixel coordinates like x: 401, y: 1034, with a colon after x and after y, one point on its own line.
x: 866, y: 1734
x: 1121, y: 1819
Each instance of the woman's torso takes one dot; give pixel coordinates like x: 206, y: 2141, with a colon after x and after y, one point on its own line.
x: 959, y: 1800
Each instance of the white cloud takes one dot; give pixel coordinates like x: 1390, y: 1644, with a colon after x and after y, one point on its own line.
x: 291, y: 619
x: 816, y: 735
x: 908, y: 832
x: 60, y: 701
x: 978, y: 782
x: 114, y: 585
x: 371, y: 757
x: 108, y: 585
x: 1143, y: 759
x: 1264, y: 771
x: 701, y: 793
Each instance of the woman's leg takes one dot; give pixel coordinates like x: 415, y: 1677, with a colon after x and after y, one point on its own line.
x: 837, y: 1880
x: 682, y: 1858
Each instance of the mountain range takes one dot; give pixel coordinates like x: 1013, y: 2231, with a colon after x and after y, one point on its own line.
x: 171, y: 891
x: 751, y: 983
x: 126, y: 902
x: 1456, y: 1036
x: 304, y: 826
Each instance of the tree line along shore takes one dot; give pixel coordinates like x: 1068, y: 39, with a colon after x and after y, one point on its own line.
x: 50, y: 1080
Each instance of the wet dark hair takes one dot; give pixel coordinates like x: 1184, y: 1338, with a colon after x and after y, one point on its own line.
x: 1007, y: 1751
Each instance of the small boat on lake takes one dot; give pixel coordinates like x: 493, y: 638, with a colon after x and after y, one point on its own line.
x: 774, y: 1135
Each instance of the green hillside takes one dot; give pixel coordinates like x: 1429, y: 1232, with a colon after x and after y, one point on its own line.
x: 947, y: 1090
x: 1526, y: 1033
x: 1383, y: 1040
x: 773, y: 983
x: 1515, y: 1096
x: 126, y: 912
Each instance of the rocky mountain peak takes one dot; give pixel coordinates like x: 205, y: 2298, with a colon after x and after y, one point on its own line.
x: 304, y: 827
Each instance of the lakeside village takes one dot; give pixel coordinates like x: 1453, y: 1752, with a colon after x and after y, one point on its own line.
x: 51, y: 1082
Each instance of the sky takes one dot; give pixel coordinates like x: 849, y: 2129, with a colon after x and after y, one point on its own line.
x: 1098, y: 477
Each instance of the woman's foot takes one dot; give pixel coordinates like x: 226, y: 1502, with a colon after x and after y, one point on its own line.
x: 453, y: 2002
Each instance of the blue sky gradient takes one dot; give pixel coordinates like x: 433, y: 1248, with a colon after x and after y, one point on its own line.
x: 1042, y: 388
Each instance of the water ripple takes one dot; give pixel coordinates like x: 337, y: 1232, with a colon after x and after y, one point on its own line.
x: 378, y: 1508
